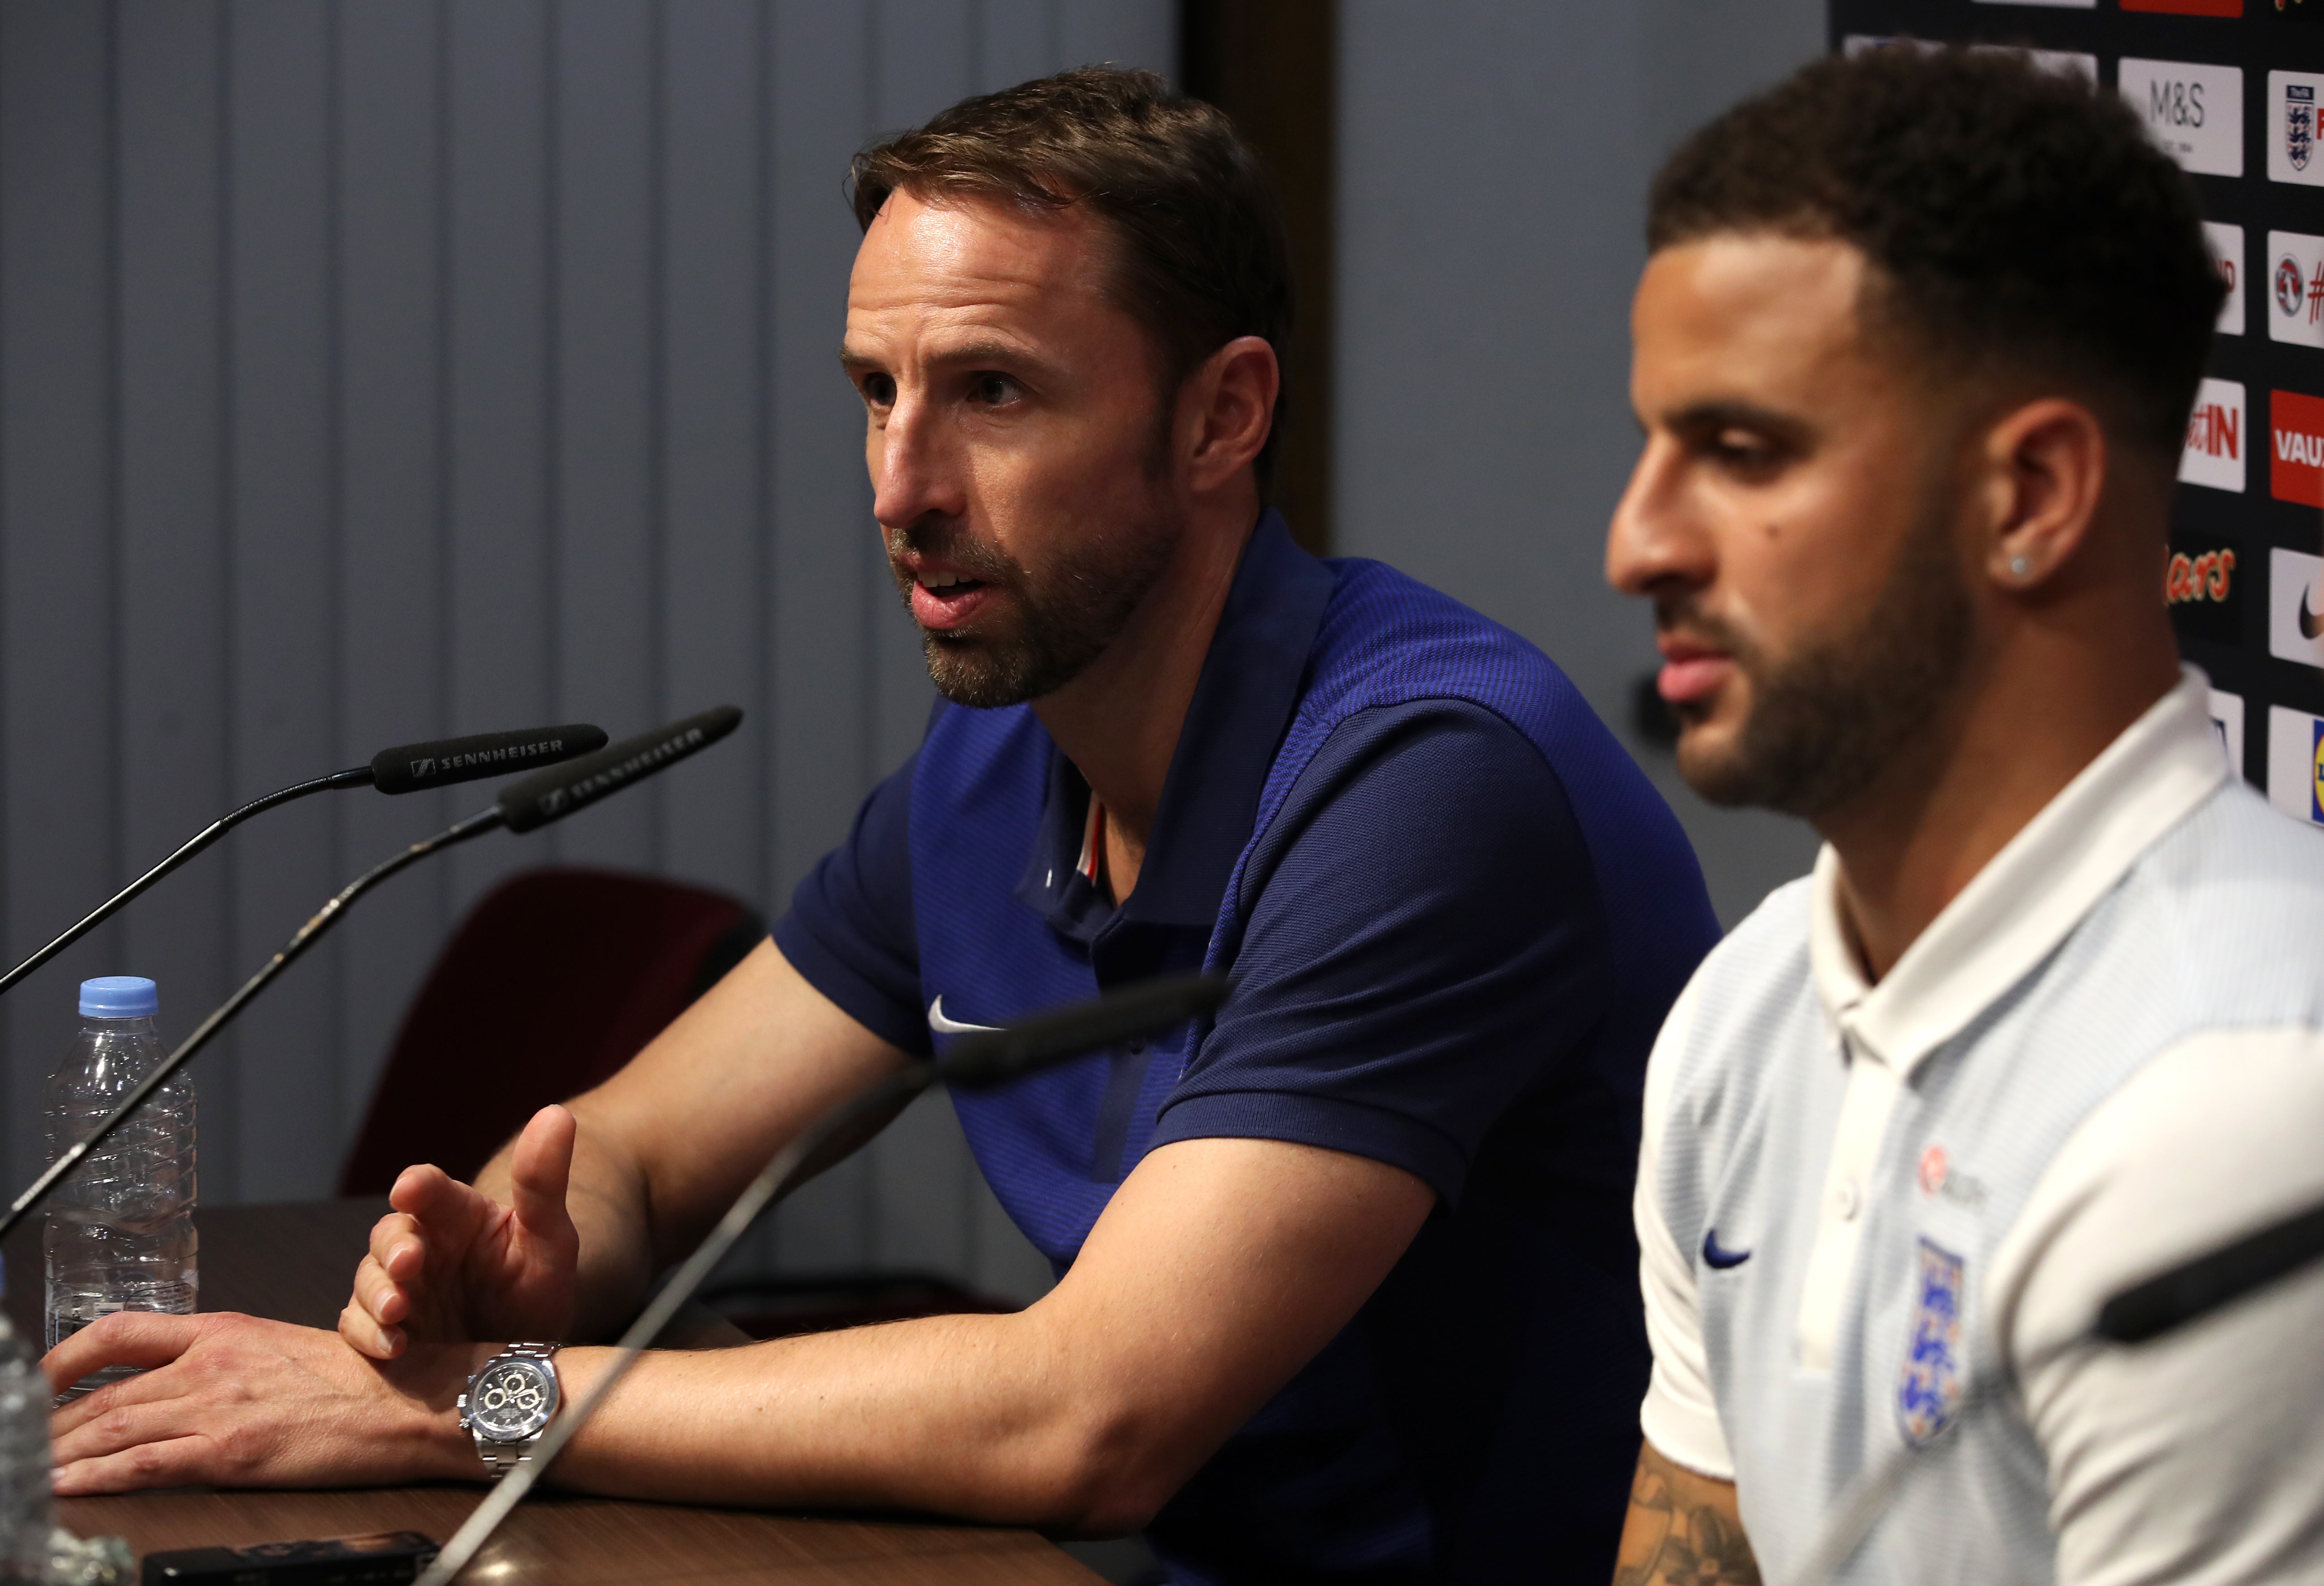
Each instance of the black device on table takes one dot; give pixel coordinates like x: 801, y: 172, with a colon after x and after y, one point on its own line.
x: 383, y: 1558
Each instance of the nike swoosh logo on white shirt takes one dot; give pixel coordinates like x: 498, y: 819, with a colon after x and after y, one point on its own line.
x: 951, y: 1026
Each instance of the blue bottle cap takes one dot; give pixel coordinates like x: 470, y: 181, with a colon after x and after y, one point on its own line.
x: 119, y: 996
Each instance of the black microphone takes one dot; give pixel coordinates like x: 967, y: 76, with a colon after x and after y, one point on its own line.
x: 411, y: 767
x: 554, y: 794
x: 988, y: 1057
x: 638, y: 758
x: 404, y: 769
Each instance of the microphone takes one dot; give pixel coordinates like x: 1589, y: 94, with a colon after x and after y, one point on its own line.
x: 635, y: 759
x: 975, y: 1062
x: 554, y: 794
x: 407, y: 769
x: 411, y: 768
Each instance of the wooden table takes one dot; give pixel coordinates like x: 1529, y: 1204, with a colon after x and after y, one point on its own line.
x: 293, y: 1263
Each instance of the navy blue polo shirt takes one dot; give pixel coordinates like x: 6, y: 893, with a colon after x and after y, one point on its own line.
x: 1456, y: 913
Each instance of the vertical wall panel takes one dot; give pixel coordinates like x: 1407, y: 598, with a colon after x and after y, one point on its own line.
x: 711, y: 515
x: 281, y: 568
x: 372, y: 373
x: 173, y: 611
x: 820, y: 702
x: 504, y: 576
x: 608, y: 563
x: 387, y: 370
x: 58, y: 768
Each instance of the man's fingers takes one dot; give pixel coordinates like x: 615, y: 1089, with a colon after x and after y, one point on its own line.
x: 385, y: 1300
x: 436, y: 1201
x: 368, y: 1335
x: 399, y: 1244
x: 540, y: 1169
x: 181, y: 1462
x: 144, y: 1339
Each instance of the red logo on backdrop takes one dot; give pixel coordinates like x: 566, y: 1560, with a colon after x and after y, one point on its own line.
x: 2296, y: 456
x: 1933, y: 1168
x: 2191, y: 7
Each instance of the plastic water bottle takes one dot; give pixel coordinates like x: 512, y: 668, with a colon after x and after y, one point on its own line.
x: 26, y: 1515
x: 120, y: 1234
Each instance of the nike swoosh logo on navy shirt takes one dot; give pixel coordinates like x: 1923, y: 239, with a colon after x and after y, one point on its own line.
x: 951, y: 1026
x: 1721, y: 1260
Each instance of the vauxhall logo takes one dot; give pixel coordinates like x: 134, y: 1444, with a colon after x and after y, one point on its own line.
x: 2296, y: 447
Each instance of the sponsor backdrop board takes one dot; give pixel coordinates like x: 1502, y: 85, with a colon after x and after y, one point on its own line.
x: 2235, y: 90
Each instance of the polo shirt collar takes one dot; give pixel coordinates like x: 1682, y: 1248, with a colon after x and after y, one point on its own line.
x: 2029, y: 897
x: 1250, y: 684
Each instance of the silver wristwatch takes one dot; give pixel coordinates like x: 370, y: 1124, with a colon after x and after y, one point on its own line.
x: 509, y: 1402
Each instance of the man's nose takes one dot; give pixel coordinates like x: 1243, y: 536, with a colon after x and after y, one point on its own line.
x: 915, y: 470
x: 1652, y: 546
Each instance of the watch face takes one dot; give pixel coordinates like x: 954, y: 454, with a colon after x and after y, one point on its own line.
x: 512, y: 1399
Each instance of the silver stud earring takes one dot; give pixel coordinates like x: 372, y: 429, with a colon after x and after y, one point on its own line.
x: 2019, y: 567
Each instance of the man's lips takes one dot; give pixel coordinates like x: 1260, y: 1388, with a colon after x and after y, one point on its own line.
x: 1691, y: 672
x: 940, y: 607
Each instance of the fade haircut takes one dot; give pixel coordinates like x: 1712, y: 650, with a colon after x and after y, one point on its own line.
x: 2021, y: 221
x: 1201, y: 254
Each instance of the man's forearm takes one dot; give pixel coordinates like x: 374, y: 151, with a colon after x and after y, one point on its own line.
x: 1682, y: 1528
x: 975, y: 1415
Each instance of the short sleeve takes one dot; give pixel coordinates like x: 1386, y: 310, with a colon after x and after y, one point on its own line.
x: 2197, y: 1457
x: 850, y: 930
x: 1680, y: 1417
x: 1423, y: 943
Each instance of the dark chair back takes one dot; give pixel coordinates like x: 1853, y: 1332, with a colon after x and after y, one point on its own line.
x: 554, y: 981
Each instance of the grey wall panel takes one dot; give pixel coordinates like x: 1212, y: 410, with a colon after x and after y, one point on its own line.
x: 503, y: 564
x: 394, y: 685
x: 608, y: 558
x: 58, y: 686
x: 281, y: 598
x: 712, y: 506
x: 371, y: 373
x: 172, y: 612
x: 1493, y: 169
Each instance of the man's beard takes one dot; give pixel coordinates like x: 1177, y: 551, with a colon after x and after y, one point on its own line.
x: 1066, y: 614
x: 1824, y: 725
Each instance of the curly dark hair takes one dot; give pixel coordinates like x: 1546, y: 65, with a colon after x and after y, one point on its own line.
x: 1203, y: 256
x: 2021, y: 220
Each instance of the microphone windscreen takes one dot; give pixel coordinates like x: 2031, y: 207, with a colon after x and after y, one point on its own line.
x: 555, y: 793
x: 410, y: 767
x: 1149, y: 1007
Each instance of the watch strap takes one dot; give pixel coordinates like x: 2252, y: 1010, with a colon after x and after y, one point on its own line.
x: 501, y: 1458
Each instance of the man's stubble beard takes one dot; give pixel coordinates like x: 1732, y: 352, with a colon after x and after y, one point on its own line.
x: 1067, y: 615
x: 1824, y: 725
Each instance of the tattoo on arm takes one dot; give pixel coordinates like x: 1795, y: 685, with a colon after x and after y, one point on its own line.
x: 1682, y: 1528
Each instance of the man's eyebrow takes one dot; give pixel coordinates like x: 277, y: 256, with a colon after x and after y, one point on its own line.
x: 1721, y: 413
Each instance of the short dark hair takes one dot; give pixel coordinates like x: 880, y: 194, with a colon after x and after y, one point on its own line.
x: 1203, y: 257
x: 2022, y: 218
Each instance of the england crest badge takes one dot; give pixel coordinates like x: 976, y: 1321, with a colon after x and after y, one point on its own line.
x: 2299, y: 124
x: 1929, y: 1387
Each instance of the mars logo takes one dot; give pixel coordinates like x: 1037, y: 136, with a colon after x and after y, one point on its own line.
x: 2214, y: 456
x: 2200, y: 586
x: 2296, y: 447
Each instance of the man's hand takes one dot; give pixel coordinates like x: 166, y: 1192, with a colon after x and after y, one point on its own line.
x: 450, y: 1263
x: 235, y: 1401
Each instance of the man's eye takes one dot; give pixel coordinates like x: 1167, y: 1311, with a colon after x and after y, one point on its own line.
x: 880, y: 391
x: 992, y: 389
x: 1739, y: 448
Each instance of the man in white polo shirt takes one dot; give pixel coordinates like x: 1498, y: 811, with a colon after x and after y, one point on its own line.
x: 1914, y: 350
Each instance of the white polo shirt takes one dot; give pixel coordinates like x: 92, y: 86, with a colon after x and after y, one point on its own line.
x: 2107, y: 1054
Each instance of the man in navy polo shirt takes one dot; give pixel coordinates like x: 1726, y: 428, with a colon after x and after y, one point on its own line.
x: 1344, y: 1275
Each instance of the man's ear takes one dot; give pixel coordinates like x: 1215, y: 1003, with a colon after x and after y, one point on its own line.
x: 2045, y: 469
x: 1233, y: 400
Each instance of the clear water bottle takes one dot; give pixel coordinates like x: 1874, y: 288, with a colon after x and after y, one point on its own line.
x: 26, y: 1515
x: 120, y: 1233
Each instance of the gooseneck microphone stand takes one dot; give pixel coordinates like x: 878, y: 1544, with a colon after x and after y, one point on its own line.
x: 330, y: 915
x: 974, y: 1063
x: 407, y: 769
